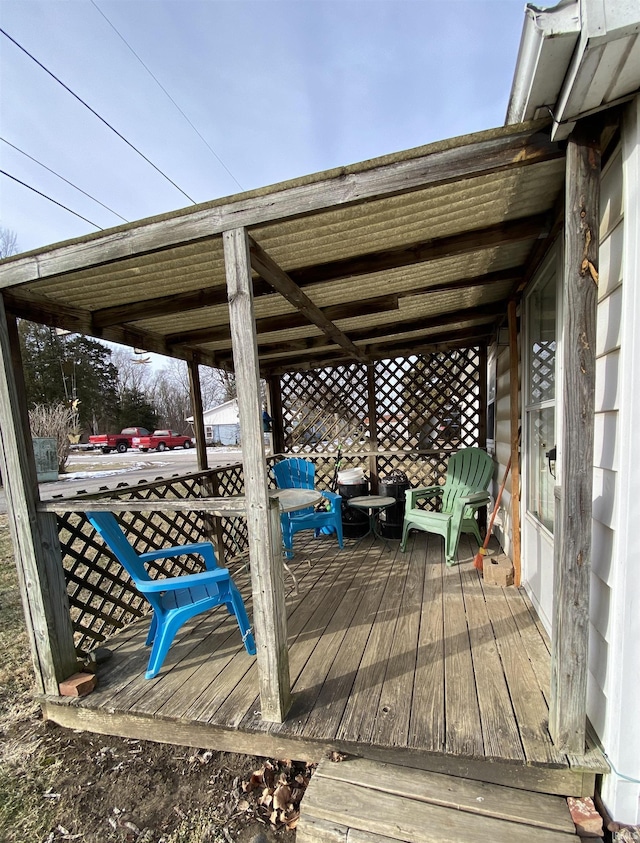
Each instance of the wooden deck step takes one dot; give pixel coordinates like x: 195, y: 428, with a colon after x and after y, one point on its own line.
x: 361, y: 801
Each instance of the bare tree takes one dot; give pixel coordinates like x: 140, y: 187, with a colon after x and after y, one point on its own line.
x: 55, y: 421
x: 133, y: 376
x: 217, y: 386
x: 8, y: 242
x: 170, y: 395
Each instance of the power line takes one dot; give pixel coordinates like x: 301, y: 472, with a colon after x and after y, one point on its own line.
x: 75, y: 186
x: 161, y: 86
x: 24, y: 184
x: 95, y: 113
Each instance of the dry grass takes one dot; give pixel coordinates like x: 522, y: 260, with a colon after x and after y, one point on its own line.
x: 26, y: 771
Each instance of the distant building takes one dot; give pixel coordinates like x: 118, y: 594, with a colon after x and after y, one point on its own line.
x: 221, y: 424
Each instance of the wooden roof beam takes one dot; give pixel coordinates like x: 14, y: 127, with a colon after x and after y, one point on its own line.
x: 78, y: 321
x: 487, y: 313
x: 496, y: 235
x: 160, y: 306
x: 268, y: 269
x: 289, y: 321
x: 500, y: 234
x: 402, y: 348
x: 348, y: 310
x: 47, y: 312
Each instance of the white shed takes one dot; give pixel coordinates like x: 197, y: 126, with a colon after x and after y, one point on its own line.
x: 221, y: 424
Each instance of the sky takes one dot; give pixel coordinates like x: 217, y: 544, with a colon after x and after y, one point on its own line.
x: 271, y: 90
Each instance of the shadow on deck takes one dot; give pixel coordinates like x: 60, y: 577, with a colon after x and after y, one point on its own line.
x: 393, y: 657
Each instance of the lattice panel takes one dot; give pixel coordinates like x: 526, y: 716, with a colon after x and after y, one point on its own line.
x: 542, y: 384
x: 325, y: 408
x: 428, y: 402
x: 427, y: 406
x: 227, y: 482
x: 101, y: 596
x: 421, y: 470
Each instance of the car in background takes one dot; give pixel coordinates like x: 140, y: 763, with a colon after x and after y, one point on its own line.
x: 119, y: 442
x: 162, y: 440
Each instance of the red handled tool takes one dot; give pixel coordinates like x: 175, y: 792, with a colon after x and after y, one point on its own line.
x: 477, y: 562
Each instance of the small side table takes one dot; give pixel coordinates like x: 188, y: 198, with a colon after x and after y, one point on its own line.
x: 374, y: 504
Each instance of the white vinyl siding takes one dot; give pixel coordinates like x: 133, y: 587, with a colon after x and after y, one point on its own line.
x: 614, y: 664
x: 607, y: 439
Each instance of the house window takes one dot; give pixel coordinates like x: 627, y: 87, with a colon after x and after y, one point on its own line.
x: 541, y: 399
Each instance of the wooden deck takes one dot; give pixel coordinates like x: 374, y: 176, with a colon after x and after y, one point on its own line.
x: 393, y: 657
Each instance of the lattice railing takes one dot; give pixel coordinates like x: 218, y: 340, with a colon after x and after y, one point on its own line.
x: 101, y: 596
x: 426, y: 407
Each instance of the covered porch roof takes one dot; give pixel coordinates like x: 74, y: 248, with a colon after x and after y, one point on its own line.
x: 419, y: 248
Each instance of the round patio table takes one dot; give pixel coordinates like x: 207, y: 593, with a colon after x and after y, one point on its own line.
x: 291, y: 500
x: 374, y: 504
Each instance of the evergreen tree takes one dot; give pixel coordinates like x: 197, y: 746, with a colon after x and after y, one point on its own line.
x: 136, y: 411
x: 69, y: 368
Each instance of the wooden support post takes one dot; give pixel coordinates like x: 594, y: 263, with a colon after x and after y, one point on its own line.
x: 35, y: 536
x: 275, y: 397
x: 212, y: 524
x: 373, y: 427
x: 514, y: 390
x: 198, y: 412
x: 263, y: 522
x: 482, y: 420
x: 570, y: 633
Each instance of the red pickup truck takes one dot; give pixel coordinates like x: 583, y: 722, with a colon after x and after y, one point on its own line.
x: 161, y: 440
x: 119, y: 442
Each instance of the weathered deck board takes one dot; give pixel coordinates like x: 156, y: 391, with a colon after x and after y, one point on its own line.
x: 427, y: 723
x: 528, y: 700
x: 193, y: 675
x: 234, y: 709
x: 362, y: 706
x: 386, y: 650
x: 132, y: 694
x: 307, y: 624
x: 394, y: 709
x: 309, y: 684
x: 499, y: 729
x: 521, y: 806
x: 534, y: 638
x: 361, y: 800
x: 326, y: 716
x: 462, y: 718
x: 414, y: 821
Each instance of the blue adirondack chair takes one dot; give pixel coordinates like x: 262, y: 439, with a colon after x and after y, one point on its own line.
x: 296, y: 473
x: 464, y: 492
x: 174, y: 599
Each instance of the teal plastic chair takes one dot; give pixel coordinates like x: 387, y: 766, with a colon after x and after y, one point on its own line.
x: 174, y: 599
x: 469, y: 472
x: 296, y: 473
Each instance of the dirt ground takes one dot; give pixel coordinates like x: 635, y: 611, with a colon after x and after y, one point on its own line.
x: 97, y: 789
x: 57, y: 784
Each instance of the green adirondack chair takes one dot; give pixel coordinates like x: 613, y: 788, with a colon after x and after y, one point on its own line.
x: 464, y: 492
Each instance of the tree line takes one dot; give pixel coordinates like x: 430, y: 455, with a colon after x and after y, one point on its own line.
x: 108, y: 388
